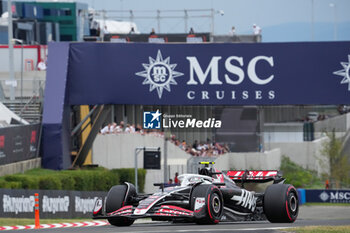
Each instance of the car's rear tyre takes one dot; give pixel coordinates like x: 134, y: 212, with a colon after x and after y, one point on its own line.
x: 281, y: 203
x: 210, y: 204
x: 117, y: 197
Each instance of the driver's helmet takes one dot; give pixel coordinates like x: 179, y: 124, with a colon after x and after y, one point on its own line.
x: 205, y: 171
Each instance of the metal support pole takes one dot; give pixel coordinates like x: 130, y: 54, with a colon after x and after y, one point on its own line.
x: 83, y: 121
x: 131, y: 19
x: 158, y: 20
x: 12, y: 80
x: 261, y: 120
x: 112, y: 114
x: 212, y: 23
x: 137, y: 150
x: 165, y: 165
x: 312, y: 21
x: 335, y: 23
x: 334, y: 6
x: 22, y: 72
x: 131, y: 16
x: 186, y: 21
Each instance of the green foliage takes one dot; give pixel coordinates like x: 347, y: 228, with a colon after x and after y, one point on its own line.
x: 338, y: 162
x: 93, y: 179
x: 297, y: 175
x: 10, y: 184
x: 141, y: 176
x: 50, y: 183
x: 67, y: 181
x: 128, y: 175
x: 26, y: 182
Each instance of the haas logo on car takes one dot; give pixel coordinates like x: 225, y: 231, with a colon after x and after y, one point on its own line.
x: 246, y: 200
x: 198, y: 205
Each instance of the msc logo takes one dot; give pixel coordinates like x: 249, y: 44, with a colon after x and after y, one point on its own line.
x: 345, y: 72
x: 159, y: 74
x: 151, y: 120
x: 324, y: 196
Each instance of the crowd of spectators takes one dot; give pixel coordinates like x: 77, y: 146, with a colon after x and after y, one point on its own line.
x: 207, y: 148
x: 204, y: 149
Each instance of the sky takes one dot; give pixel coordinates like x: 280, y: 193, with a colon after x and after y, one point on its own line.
x: 280, y: 20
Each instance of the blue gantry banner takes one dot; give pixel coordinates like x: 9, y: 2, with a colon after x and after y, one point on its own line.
x: 209, y: 74
x: 186, y: 74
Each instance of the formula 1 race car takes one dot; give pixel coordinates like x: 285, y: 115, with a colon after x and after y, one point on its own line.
x: 205, y: 198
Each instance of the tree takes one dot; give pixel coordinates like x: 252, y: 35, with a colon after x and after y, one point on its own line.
x: 338, y: 162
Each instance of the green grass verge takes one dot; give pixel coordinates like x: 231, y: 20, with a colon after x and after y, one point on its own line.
x: 30, y: 221
x: 319, y: 229
x: 326, y: 204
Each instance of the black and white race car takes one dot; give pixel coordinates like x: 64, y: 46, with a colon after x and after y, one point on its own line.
x: 205, y: 198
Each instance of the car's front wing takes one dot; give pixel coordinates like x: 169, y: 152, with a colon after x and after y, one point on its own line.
x: 164, y: 211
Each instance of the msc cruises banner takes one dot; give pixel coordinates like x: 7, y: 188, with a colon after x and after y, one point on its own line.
x: 209, y: 74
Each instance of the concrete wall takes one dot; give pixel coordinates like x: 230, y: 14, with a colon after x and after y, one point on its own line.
x: 341, y: 124
x: 283, y: 132
x: 267, y: 160
x: 118, y: 150
x: 20, y: 167
x: 307, y: 154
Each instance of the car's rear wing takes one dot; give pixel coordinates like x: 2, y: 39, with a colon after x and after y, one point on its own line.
x: 254, y: 175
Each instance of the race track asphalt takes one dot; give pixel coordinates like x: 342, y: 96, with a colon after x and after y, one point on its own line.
x: 309, y: 216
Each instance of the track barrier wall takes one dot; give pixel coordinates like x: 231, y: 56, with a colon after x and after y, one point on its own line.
x: 18, y: 143
x: 324, y: 196
x: 20, y: 203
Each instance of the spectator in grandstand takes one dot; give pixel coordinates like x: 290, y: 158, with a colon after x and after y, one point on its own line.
x: 132, y: 30
x: 108, y: 128
x: 256, y: 30
x: 232, y: 32
x: 98, y: 31
x: 41, y: 65
x: 195, y: 144
x: 200, y: 146
x: 132, y: 128
x: 119, y: 128
x: 191, y: 31
x: 139, y: 129
x: 153, y: 32
x: 176, y: 179
x: 128, y: 128
x: 183, y: 145
x: 105, y: 30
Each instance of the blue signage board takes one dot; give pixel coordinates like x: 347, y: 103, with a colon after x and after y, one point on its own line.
x: 328, y: 195
x: 209, y: 74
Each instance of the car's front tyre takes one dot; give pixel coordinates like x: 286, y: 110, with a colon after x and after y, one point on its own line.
x: 117, y: 197
x: 207, y: 203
